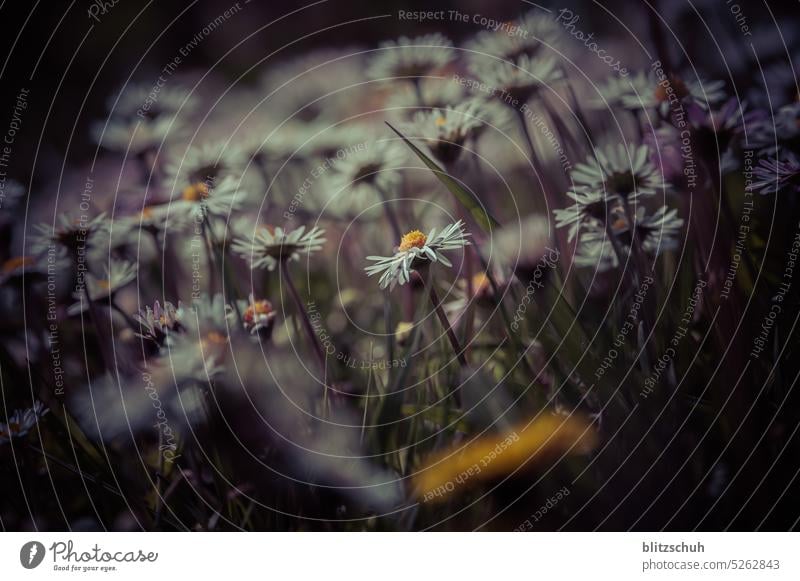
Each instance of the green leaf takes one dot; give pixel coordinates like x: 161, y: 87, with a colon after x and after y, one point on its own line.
x: 464, y: 196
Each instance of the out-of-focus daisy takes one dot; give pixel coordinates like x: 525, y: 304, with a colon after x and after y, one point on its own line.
x: 436, y: 93
x: 268, y: 247
x: 200, y: 199
x: 207, y: 319
x: 519, y: 79
x: 258, y: 316
x: 204, y: 166
x: 522, y: 247
x: 158, y: 323
x: 541, y: 33
x: 140, y: 121
x: 70, y: 234
x: 11, y: 192
x: 619, y: 91
x: 322, y: 85
x: 592, y: 208
x: 410, y: 57
x: 117, y: 275
x: 365, y: 175
x: 680, y: 90
x: 776, y: 175
x: 415, y: 250
x: 445, y: 131
x: 619, y: 171
x: 596, y: 251
x: 21, y: 422
x: 657, y: 232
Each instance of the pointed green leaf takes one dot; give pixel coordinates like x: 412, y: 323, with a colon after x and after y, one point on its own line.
x: 463, y: 195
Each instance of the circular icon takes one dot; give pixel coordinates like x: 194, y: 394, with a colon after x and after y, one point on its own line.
x: 31, y: 554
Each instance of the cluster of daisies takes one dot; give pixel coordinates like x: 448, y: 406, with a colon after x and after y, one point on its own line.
x: 242, y: 200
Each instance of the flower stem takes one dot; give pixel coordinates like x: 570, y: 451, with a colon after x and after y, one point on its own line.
x: 302, y: 314
x: 437, y: 306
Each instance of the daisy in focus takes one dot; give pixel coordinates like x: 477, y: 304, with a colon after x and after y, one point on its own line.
x: 414, y: 251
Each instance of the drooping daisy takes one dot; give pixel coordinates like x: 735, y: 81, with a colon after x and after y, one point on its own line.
x: 116, y: 276
x: 596, y: 251
x: 268, y: 247
x: 410, y: 57
x: 414, y: 251
x: 70, y: 234
x: 517, y: 81
x: 619, y: 171
x: 659, y: 231
x: 592, y: 208
x: 21, y: 422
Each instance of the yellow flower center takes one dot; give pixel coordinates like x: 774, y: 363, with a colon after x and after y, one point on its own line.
x: 414, y: 239
x: 440, y: 121
x: 195, y: 192
x: 16, y: 262
x: 104, y: 284
x: 215, y: 338
x: 256, y: 309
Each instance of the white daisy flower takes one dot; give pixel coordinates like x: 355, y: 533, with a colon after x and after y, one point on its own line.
x: 536, y: 32
x: 619, y: 171
x: 365, y: 175
x: 659, y: 231
x: 21, y: 422
x: 158, y: 323
x: 410, y: 57
x: 617, y: 92
x: 437, y: 93
x: 141, y: 121
x: 595, y: 250
x: 69, y: 234
x: 416, y: 249
x: 204, y: 164
x: 257, y: 315
x: 520, y: 247
x: 445, y: 131
x: 520, y: 78
x: 657, y: 95
x: 116, y: 276
x: 268, y: 247
x: 322, y: 85
x: 592, y: 208
x: 199, y: 200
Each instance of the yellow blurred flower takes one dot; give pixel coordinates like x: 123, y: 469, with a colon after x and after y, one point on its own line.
x: 547, y: 438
